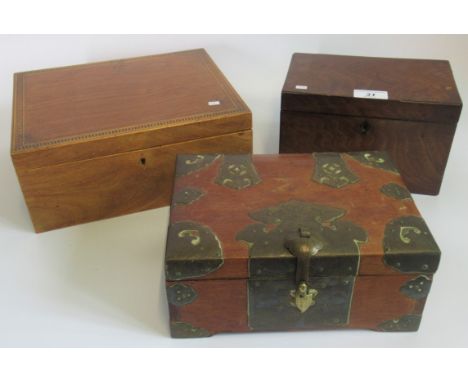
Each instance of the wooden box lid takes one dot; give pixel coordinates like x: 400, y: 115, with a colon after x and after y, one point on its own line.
x: 85, y: 111
x: 234, y: 216
x: 419, y: 90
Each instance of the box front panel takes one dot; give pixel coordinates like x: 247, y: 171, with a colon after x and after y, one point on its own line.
x: 79, y: 192
x: 201, y: 308
x: 272, y: 306
x: 420, y: 150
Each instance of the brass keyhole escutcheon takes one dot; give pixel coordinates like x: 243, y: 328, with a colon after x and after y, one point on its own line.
x: 303, y: 297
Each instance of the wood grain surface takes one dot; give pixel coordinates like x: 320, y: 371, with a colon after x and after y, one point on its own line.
x: 93, y: 189
x: 420, y: 150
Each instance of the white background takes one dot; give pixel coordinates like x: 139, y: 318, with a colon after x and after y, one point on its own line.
x: 101, y: 284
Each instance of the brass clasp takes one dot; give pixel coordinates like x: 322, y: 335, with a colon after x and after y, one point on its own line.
x: 303, y: 297
x: 303, y: 247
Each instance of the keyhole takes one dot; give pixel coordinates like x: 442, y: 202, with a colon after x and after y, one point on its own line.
x: 143, y: 161
x: 364, y: 127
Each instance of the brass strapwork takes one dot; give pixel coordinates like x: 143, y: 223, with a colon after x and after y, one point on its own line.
x: 303, y: 246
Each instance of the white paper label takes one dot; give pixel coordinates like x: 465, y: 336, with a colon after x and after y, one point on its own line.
x: 214, y: 103
x: 376, y: 94
x: 301, y: 87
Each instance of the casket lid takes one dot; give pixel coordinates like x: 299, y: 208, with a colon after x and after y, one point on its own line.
x: 234, y: 216
x: 86, y: 111
x: 418, y: 90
